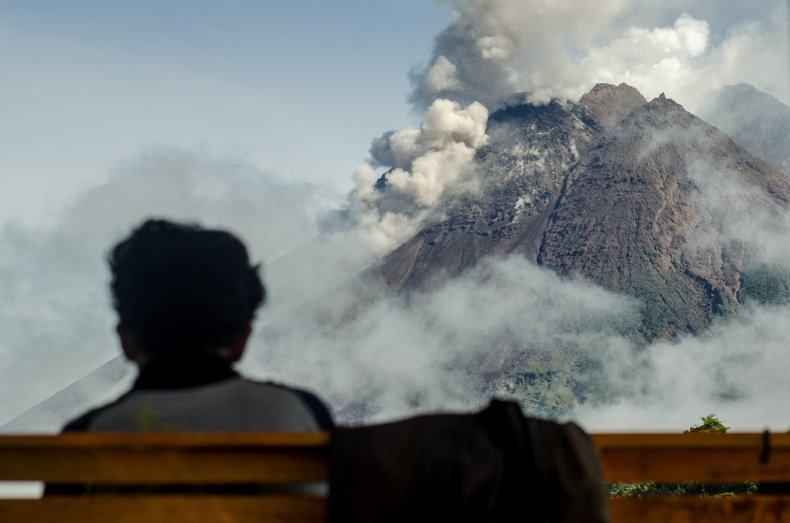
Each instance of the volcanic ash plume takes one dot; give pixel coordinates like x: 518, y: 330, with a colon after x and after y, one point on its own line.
x: 423, y: 166
x: 493, y: 49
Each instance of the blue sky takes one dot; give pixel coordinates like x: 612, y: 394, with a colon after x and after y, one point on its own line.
x: 299, y: 88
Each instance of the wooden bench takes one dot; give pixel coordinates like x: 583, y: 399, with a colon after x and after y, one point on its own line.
x: 290, y: 459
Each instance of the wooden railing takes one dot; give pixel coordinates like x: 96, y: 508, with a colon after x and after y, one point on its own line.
x: 290, y: 459
x: 702, y: 458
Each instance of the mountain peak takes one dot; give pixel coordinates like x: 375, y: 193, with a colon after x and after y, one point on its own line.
x: 604, y: 189
x: 740, y: 89
x: 608, y: 104
x: 662, y: 100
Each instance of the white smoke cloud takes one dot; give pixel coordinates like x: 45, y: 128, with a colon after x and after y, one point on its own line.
x: 425, y: 165
x: 653, y: 60
x: 432, y: 351
x: 435, y: 351
x: 493, y: 49
x: 737, y: 370
x: 744, y: 215
x: 442, y: 76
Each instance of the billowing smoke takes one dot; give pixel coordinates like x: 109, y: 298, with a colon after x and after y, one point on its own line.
x: 424, y: 166
x: 493, y: 49
x: 438, y: 349
x: 744, y: 217
x: 737, y: 370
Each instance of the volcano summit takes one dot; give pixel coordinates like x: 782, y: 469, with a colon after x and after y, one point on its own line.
x: 629, y: 194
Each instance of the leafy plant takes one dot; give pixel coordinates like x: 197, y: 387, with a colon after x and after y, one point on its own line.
x: 710, y: 424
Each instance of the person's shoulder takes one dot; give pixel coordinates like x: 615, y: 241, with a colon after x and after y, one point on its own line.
x: 314, y: 404
x: 83, y: 422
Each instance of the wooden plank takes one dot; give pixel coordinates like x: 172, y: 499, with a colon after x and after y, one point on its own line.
x: 163, y: 458
x: 701, y: 465
x: 152, y: 465
x: 778, y: 440
x: 747, y: 509
x: 282, y: 458
x: 713, y: 458
x: 165, y: 509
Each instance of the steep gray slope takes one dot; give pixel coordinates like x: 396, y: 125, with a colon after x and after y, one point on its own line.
x: 755, y: 120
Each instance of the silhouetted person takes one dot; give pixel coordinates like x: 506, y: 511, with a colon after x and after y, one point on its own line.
x: 186, y: 298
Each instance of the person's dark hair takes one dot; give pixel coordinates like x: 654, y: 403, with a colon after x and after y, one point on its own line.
x: 180, y: 287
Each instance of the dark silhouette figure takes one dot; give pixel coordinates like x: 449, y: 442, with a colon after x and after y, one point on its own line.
x: 186, y: 298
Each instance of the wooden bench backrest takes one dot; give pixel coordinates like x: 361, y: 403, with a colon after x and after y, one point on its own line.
x: 166, y: 459
x: 703, y: 458
x: 709, y: 458
x: 286, y: 459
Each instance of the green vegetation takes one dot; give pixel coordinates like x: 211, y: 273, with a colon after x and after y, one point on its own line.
x: 551, y: 380
x: 670, y: 303
x: 766, y: 284
x: 541, y: 383
x: 710, y: 423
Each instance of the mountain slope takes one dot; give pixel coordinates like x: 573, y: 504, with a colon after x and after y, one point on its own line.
x: 755, y: 120
x: 613, y: 189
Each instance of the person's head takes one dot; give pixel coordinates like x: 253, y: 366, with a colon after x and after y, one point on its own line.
x: 180, y: 289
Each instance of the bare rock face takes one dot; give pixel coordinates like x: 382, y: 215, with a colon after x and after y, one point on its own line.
x: 524, y: 168
x: 614, y: 189
x: 608, y: 104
